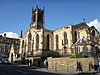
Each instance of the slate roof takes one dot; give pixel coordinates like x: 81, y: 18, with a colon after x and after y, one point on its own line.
x: 82, y: 41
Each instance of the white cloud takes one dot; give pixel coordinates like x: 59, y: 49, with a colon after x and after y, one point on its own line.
x: 95, y: 23
x: 10, y: 34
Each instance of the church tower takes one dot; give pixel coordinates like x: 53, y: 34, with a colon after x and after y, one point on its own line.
x: 37, y: 18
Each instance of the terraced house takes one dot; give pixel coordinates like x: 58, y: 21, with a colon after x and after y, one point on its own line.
x: 5, y: 46
x: 65, y: 40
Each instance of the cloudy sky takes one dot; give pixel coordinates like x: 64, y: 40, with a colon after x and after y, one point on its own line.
x: 95, y: 23
x: 15, y: 15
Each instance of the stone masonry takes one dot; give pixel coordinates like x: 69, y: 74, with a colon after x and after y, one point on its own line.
x: 68, y: 64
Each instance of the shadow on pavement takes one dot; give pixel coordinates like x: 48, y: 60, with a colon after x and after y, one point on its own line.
x: 88, y: 73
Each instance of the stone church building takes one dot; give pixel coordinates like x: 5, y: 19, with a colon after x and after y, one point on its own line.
x: 65, y: 40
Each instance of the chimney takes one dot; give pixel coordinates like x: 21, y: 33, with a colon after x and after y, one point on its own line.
x: 5, y: 36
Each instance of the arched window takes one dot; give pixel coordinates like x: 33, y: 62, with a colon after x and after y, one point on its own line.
x: 25, y: 47
x: 65, y: 38
x: 22, y: 43
x: 48, y: 41
x: 29, y: 37
x: 93, y: 32
x: 37, y: 42
x: 34, y: 17
x: 75, y: 37
x: 33, y: 44
x: 57, y: 42
x: 29, y: 41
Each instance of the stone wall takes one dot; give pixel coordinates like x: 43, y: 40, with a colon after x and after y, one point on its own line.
x: 68, y: 64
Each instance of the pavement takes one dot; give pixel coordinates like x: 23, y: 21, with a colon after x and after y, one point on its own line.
x: 63, y: 72
x: 56, y: 72
x: 67, y: 73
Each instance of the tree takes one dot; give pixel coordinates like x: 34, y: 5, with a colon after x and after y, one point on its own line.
x: 79, y: 55
x: 72, y: 55
x: 49, y: 53
x: 76, y: 55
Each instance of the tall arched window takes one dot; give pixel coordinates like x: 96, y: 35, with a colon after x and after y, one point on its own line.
x: 57, y: 42
x: 29, y: 41
x: 33, y: 44
x: 93, y: 32
x: 33, y: 41
x: 23, y: 44
x: 65, y: 38
x: 75, y: 37
x: 37, y: 42
x: 29, y: 37
x: 25, y: 47
x: 48, y: 41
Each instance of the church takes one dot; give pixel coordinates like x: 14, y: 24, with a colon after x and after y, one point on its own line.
x: 66, y: 40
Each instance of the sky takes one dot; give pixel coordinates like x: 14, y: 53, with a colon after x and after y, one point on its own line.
x: 15, y: 15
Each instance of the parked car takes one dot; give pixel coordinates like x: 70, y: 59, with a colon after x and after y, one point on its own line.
x: 5, y: 61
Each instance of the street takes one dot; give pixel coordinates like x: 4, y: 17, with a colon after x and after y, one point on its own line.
x: 6, y: 69
x: 9, y: 69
